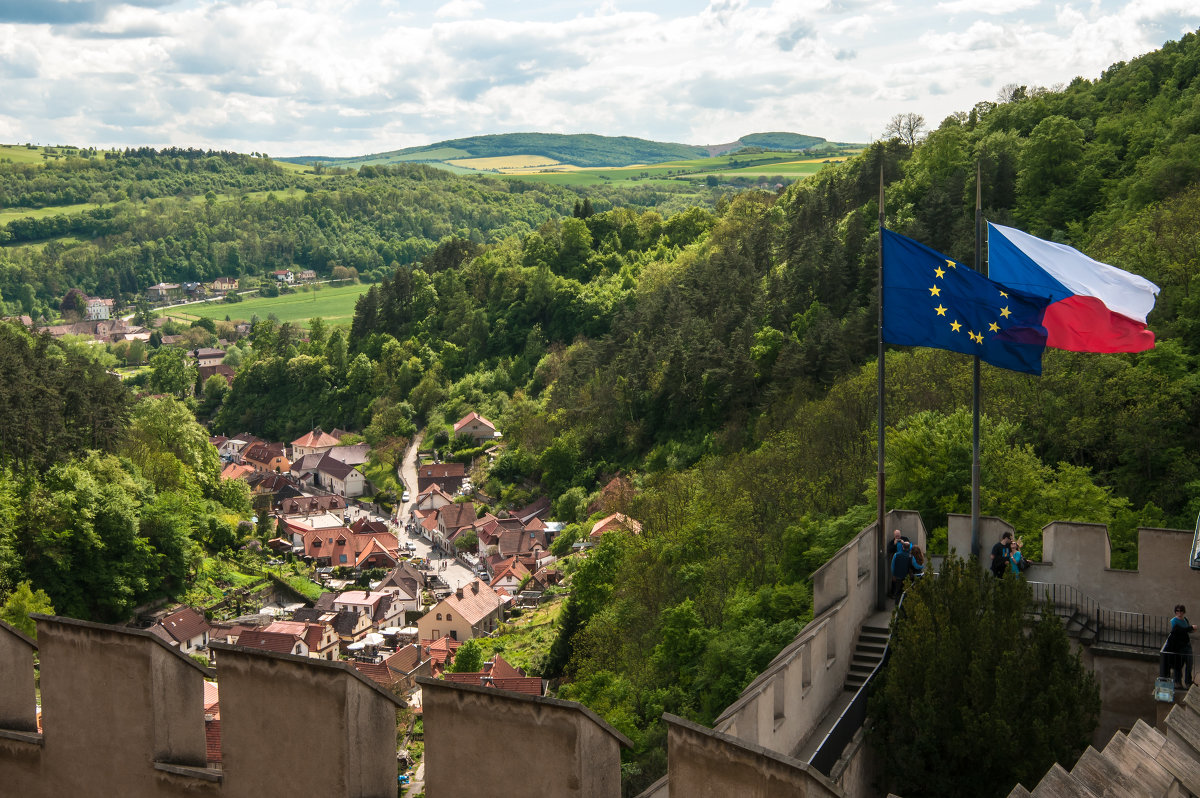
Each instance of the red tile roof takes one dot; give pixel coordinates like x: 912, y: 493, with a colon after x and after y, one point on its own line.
x: 406, y: 659
x: 477, y: 602
x: 472, y: 416
x: 316, y: 438
x: 278, y: 642
x: 184, y: 624
x: 376, y: 671
x: 212, y: 740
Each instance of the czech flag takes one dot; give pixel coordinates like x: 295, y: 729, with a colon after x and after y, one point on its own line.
x: 1093, y: 307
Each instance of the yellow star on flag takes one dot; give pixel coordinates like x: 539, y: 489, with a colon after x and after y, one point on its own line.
x: 1004, y: 295
x: 939, y: 271
x: 993, y: 327
x: 954, y: 325
x: 976, y: 337
x: 951, y: 264
x: 1005, y: 312
x: 934, y: 291
x: 941, y: 311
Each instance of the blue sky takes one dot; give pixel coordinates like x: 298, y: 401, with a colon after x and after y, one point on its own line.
x: 344, y: 77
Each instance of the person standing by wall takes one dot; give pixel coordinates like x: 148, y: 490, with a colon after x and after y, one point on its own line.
x: 1000, y: 554
x: 1177, y: 653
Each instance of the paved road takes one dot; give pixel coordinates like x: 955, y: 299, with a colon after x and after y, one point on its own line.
x: 450, y: 569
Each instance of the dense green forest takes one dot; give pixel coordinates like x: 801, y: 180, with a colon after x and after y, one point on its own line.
x: 717, y: 353
x: 105, y: 501
x: 141, y: 217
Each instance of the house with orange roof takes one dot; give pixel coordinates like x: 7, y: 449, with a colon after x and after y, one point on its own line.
x: 236, y: 471
x: 471, y: 611
x: 612, y: 522
x: 315, y: 442
x: 320, y: 638
x: 476, y: 426
x: 266, y: 457
x: 376, y: 605
x: 509, y: 576
x: 439, y: 652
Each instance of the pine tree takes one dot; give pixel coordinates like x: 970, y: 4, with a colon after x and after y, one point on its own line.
x: 978, y: 695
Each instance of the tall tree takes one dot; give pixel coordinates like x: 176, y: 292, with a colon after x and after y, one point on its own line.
x: 979, y: 693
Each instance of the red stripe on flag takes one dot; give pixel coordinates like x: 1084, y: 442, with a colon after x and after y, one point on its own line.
x: 1085, y: 324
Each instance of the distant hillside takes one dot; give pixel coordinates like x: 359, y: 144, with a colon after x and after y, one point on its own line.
x: 583, y: 149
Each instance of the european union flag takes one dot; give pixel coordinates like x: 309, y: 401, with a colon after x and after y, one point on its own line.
x: 930, y: 300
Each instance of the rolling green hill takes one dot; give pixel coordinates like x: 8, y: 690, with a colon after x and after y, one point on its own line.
x: 576, y: 149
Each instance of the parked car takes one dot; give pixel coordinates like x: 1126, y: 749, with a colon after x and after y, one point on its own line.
x: 404, y: 496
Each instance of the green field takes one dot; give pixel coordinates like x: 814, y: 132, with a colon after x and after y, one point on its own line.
x: 333, y: 304
x: 8, y: 214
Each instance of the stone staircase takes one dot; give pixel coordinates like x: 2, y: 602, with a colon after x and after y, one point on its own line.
x: 1145, y: 761
x: 868, y: 651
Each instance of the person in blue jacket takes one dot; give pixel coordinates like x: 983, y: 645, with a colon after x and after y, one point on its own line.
x: 902, y: 566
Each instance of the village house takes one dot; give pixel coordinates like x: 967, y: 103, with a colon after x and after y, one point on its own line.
x: 403, y: 583
x: 266, y: 457
x: 320, y: 637
x: 222, y: 285
x: 99, y: 309
x: 206, y: 356
x: 447, y: 476
x: 307, y: 275
x: 225, y: 371
x: 340, y: 478
x: 450, y: 520
x: 310, y: 505
x: 164, y: 292
x: 477, y: 427
x: 377, y: 606
x: 471, y: 611
x: 279, y: 642
x: 315, y: 442
x: 185, y: 629
x: 354, y: 455
x: 439, y: 653
x: 406, y: 665
x: 509, y: 576
x: 428, y: 501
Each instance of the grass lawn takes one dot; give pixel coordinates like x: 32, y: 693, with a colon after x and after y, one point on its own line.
x: 527, y: 639
x: 9, y: 214
x: 334, y: 304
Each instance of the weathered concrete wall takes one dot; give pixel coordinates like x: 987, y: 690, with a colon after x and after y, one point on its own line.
x: 567, y: 749
x: 780, y: 708
x: 18, y: 704
x: 122, y: 714
x: 1126, y: 690
x: 1081, y: 555
x: 703, y: 763
x: 958, y: 535
x: 320, y: 723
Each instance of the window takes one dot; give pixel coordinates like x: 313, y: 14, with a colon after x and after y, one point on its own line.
x: 449, y: 617
x: 342, y: 558
x: 453, y: 634
x: 439, y: 616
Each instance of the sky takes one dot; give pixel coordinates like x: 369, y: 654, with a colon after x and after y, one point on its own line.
x: 351, y: 77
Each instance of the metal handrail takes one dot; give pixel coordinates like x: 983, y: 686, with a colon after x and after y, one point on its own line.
x: 1111, y: 627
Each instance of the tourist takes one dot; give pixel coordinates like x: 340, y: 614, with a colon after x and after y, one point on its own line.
x: 1000, y: 554
x: 1177, y: 652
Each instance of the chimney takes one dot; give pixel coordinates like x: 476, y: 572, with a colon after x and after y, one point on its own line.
x: 459, y: 592
x: 475, y: 586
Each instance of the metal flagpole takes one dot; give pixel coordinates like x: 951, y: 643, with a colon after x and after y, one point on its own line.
x: 880, y: 497
x: 975, y: 469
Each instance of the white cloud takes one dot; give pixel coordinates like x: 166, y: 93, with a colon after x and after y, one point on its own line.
x: 986, y: 6
x: 459, y: 9
x: 356, y: 76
